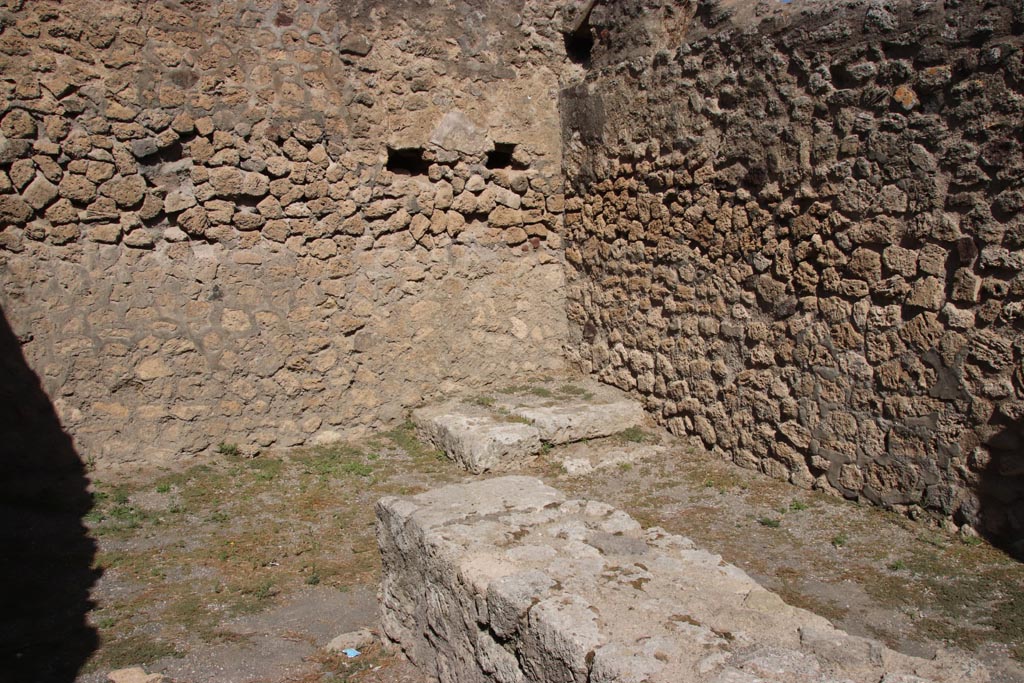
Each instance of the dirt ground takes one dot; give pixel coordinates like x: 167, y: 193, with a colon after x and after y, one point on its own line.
x: 242, y: 570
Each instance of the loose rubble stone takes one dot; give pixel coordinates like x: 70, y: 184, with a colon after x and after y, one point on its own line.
x: 135, y: 674
x: 356, y: 640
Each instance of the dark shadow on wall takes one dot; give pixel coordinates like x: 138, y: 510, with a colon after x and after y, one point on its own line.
x: 1001, y: 492
x: 46, y: 554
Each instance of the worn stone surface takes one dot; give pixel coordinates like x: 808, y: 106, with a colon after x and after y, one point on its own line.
x: 227, y: 222
x: 789, y: 228
x: 584, y: 457
x: 476, y: 438
x: 506, y: 580
x: 135, y: 674
x: 600, y: 411
x: 484, y: 433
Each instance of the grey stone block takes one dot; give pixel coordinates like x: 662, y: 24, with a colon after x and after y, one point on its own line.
x: 506, y: 580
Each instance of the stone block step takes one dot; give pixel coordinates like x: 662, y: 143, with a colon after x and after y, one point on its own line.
x: 506, y: 580
x: 583, y: 458
x: 508, y: 429
x: 477, y: 438
x: 599, y: 410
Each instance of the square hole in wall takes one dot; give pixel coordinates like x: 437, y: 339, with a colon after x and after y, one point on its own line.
x: 407, y: 161
x: 501, y: 155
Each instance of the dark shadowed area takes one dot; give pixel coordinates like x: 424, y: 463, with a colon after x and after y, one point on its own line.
x: 46, y: 571
x: 1001, y: 492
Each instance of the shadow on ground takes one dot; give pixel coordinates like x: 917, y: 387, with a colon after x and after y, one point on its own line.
x: 46, y: 571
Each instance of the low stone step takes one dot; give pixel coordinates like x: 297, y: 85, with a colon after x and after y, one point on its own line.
x: 583, y: 458
x: 597, y: 410
x: 506, y: 580
x: 477, y: 438
x: 508, y: 429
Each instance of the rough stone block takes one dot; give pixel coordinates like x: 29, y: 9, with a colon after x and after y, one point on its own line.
x: 601, y: 411
x: 507, y: 580
x: 477, y: 439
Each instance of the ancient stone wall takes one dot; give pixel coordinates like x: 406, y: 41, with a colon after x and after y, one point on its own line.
x: 267, y: 223
x: 796, y: 230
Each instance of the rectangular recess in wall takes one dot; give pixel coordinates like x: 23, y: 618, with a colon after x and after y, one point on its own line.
x: 407, y: 161
x: 501, y: 155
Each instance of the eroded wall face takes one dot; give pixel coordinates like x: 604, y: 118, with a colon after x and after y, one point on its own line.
x: 796, y: 230
x: 267, y: 223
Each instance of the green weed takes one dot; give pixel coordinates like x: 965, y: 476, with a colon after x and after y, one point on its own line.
x: 632, y: 435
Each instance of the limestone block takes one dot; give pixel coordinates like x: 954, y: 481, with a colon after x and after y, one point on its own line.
x: 505, y: 579
x: 476, y: 439
x: 604, y: 412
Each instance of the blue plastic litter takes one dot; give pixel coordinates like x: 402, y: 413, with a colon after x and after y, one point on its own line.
x: 351, y: 652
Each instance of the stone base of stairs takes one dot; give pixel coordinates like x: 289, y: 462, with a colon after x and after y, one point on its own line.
x: 506, y: 430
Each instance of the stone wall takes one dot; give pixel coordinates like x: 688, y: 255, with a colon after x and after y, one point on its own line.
x: 267, y: 223
x: 796, y: 230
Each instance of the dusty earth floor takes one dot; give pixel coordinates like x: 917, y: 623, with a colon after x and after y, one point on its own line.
x: 241, y: 570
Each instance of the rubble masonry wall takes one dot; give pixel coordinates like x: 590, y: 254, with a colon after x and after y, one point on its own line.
x: 268, y: 223
x: 796, y: 231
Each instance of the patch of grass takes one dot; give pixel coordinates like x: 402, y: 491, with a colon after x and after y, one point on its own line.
x: 230, y: 449
x: 483, y: 401
x: 625, y: 466
x: 934, y: 539
x: 163, y: 488
x: 632, y: 435
x: 266, y: 469
x: 769, y: 522
x: 541, y: 392
x: 334, y: 460
x: 129, y: 650
x: 404, y: 436
x: 896, y: 565
x: 249, y: 597
x: 191, y: 612
x: 797, y: 505
x: 969, y: 540
x: 357, y: 468
x: 840, y: 540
